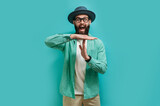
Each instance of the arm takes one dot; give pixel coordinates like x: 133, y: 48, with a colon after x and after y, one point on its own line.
x: 58, y: 41
x: 100, y: 64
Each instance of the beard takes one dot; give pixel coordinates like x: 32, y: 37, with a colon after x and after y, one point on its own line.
x: 85, y: 32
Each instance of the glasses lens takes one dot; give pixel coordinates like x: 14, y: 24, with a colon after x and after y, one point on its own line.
x: 85, y: 19
x: 78, y: 19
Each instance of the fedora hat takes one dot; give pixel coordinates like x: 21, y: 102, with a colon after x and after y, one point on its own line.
x: 81, y: 10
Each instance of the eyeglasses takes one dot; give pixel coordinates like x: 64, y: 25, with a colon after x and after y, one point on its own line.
x: 85, y: 19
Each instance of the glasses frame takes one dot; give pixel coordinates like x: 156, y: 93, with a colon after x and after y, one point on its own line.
x: 75, y: 19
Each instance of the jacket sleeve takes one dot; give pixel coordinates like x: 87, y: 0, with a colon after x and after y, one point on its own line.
x: 58, y: 41
x: 100, y: 64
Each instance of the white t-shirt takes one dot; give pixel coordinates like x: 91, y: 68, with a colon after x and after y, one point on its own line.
x: 80, y: 69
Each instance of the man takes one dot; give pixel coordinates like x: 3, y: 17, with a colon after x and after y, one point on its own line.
x: 84, y: 58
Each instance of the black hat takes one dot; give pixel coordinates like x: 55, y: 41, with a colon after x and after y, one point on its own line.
x: 81, y: 10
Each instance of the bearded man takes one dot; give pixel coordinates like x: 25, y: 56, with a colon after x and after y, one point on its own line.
x: 84, y: 59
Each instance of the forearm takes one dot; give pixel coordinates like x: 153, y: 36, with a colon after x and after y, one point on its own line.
x: 97, y: 65
x: 57, y: 40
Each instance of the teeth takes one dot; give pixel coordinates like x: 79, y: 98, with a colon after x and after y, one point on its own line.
x: 81, y: 27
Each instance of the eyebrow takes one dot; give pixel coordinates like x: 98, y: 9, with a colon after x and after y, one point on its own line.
x: 82, y: 17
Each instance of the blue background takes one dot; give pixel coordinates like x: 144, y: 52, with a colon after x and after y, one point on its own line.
x: 30, y: 72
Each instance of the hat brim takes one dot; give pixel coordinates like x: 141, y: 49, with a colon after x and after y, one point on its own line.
x: 75, y: 13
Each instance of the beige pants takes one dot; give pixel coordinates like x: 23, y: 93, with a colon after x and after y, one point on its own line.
x: 78, y: 101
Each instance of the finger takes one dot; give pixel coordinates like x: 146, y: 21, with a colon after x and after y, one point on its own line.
x: 84, y: 46
x: 94, y: 38
x: 90, y: 38
x: 80, y: 47
x: 86, y: 37
x: 84, y: 43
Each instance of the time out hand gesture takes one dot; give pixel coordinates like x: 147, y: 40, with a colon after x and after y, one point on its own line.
x: 84, y: 38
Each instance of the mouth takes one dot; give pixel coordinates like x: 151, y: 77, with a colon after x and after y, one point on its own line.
x: 82, y: 28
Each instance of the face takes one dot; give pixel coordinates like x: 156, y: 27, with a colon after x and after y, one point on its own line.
x: 82, y: 24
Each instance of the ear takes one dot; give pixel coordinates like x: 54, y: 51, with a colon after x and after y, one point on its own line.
x: 90, y: 21
x: 73, y: 22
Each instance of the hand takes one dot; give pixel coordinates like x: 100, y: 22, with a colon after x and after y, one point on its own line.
x: 84, y: 51
x: 82, y: 37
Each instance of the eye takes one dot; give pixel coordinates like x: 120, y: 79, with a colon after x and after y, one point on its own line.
x: 77, y: 19
x: 85, y: 19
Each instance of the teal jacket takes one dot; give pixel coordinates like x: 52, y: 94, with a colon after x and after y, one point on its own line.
x: 97, y: 64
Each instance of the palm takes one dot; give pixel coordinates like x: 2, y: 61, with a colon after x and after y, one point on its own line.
x: 84, y: 51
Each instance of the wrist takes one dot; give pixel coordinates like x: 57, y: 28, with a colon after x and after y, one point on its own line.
x: 88, y: 58
x: 72, y: 36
